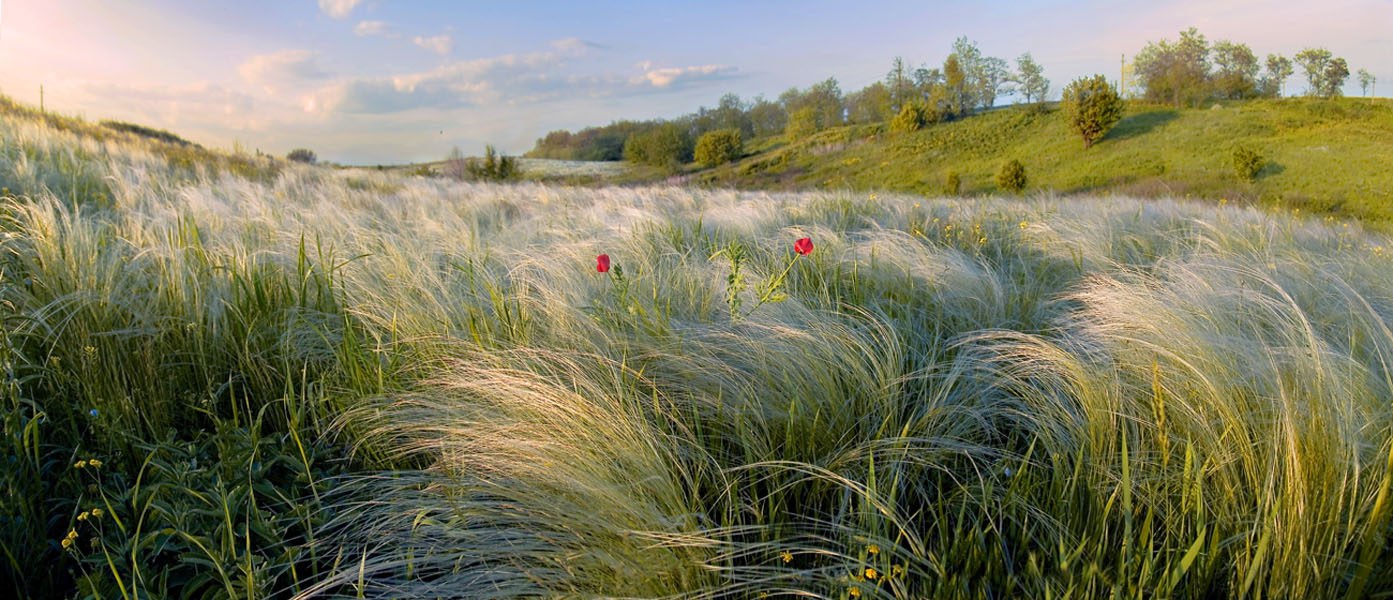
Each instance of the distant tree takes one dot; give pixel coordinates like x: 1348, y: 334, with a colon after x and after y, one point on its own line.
x: 732, y: 113
x: 1274, y: 80
x: 493, y: 167
x: 1366, y: 82
x: 1325, y: 73
x: 1031, y: 79
x: 718, y: 147
x: 954, y: 99
x: 666, y: 145
x: 1247, y: 163
x: 983, y: 76
x: 1235, y: 70
x: 1175, y: 73
x: 899, y: 83
x: 1091, y: 107
x: 871, y: 104
x: 802, y: 123
x: 1011, y: 177
x: 766, y: 118
x: 913, y: 117
x: 302, y: 155
x: 826, y: 97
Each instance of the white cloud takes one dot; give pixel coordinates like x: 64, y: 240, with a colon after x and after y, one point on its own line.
x: 439, y: 44
x: 366, y: 28
x: 284, y: 69
x: 507, y: 79
x: 669, y: 76
x: 338, y: 9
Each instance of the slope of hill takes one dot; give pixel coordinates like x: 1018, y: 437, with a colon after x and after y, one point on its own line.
x: 1324, y: 156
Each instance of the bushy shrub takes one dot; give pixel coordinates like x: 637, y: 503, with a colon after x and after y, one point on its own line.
x: 1247, y: 163
x: 953, y: 183
x: 1011, y: 177
x: 912, y: 117
x: 493, y: 167
x: 802, y: 123
x: 302, y: 155
x: 1091, y: 107
x: 718, y: 147
x: 667, y: 145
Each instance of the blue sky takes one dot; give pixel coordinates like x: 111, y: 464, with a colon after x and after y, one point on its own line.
x: 369, y: 81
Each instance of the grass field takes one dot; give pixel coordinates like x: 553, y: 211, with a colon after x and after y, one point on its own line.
x: 1323, y: 156
x: 318, y: 383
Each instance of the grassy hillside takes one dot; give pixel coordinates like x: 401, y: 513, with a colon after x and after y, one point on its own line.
x: 1324, y: 156
x: 333, y: 383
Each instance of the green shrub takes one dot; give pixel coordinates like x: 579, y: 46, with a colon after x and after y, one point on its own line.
x: 913, y: 117
x: 1247, y: 163
x: 492, y: 167
x: 1011, y: 177
x: 1091, y: 107
x: 302, y: 155
x: 667, y: 145
x: 953, y: 183
x: 802, y: 123
x: 718, y: 147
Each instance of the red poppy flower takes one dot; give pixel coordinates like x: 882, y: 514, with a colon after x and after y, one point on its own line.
x: 602, y: 263
x: 803, y: 246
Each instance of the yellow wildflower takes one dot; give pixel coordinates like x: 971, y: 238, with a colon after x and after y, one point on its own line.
x: 1024, y: 225
x: 67, y: 543
x: 786, y: 556
x: 872, y: 549
x: 95, y: 463
x: 97, y: 513
x: 81, y: 464
x: 896, y: 570
x: 854, y: 592
x: 83, y: 516
x: 871, y: 573
x: 72, y: 534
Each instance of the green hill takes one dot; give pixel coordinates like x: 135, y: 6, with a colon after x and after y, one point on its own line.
x: 1323, y: 156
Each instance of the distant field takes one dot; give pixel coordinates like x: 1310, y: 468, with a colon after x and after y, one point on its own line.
x: 541, y: 168
x: 1324, y: 156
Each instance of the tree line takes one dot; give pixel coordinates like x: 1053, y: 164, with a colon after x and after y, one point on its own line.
x: 1184, y: 72
x: 1191, y: 70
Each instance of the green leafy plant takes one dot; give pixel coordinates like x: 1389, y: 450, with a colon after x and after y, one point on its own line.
x: 1247, y: 163
x: 1011, y: 177
x: 1091, y: 108
x: 718, y: 147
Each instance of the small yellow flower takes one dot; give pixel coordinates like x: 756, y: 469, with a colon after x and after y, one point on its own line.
x: 94, y: 463
x: 871, y: 573
x: 67, y: 543
x: 81, y: 464
x: 872, y: 549
x: 786, y: 556
x: 854, y: 592
x: 72, y: 534
x: 1024, y: 225
x: 83, y: 516
x: 97, y: 513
